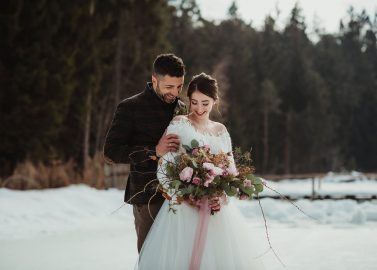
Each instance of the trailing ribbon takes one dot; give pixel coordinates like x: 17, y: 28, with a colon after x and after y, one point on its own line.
x: 200, y: 235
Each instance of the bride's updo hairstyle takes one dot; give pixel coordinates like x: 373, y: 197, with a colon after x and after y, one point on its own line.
x: 204, y: 84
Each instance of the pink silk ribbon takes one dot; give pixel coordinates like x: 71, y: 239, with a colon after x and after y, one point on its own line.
x: 200, y: 235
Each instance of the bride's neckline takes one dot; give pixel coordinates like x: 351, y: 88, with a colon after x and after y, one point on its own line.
x: 184, y: 118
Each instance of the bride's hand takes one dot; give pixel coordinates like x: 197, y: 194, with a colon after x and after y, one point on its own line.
x: 214, y: 203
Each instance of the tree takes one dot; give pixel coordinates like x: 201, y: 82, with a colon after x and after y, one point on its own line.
x: 270, y: 104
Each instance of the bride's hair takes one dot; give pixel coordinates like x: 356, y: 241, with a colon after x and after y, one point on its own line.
x: 205, y: 84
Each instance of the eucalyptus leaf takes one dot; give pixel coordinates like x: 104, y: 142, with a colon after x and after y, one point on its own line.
x: 176, y: 184
x: 190, y: 189
x: 249, y: 191
x: 169, y: 171
x: 225, y: 187
x: 257, y: 181
x: 232, y: 191
x: 194, y: 143
x: 187, y: 148
x: 194, y: 164
x: 258, y: 188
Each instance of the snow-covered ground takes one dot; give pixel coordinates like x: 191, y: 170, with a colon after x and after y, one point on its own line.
x: 76, y: 228
x: 334, y: 185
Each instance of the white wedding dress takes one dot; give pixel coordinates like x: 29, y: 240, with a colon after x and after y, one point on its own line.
x: 229, y: 243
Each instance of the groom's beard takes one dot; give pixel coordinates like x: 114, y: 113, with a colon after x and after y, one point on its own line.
x: 168, y: 98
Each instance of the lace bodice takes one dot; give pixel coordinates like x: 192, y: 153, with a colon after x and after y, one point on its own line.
x: 187, y: 132
x: 218, y: 140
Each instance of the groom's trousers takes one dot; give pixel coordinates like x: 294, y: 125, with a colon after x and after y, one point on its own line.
x: 144, y: 218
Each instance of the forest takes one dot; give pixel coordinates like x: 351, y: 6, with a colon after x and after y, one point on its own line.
x: 302, y: 104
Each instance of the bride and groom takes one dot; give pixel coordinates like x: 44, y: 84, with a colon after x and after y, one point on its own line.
x: 145, y: 126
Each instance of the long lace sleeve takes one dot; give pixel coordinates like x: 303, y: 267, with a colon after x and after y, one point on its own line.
x: 228, y: 147
x: 228, y: 142
x: 176, y: 126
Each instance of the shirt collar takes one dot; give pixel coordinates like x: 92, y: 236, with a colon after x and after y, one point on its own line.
x: 150, y: 91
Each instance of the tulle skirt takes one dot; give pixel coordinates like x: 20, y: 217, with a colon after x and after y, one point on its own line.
x: 229, y: 243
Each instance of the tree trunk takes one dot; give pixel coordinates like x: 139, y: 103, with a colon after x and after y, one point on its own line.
x: 99, y: 132
x: 287, y: 143
x: 265, y: 140
x: 119, y: 57
x: 87, y: 124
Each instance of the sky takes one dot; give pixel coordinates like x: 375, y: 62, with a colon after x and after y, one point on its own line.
x: 325, y: 12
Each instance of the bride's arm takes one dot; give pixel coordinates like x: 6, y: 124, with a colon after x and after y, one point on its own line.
x: 229, y: 150
x: 175, y: 128
x: 169, y: 142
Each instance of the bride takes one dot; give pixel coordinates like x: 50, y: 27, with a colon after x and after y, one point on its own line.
x: 229, y: 242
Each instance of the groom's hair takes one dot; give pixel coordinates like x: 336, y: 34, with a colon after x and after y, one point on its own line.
x: 168, y: 64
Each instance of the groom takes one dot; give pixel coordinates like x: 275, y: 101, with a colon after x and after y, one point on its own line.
x: 137, y: 135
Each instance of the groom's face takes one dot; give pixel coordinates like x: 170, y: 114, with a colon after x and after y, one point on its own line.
x: 167, y: 87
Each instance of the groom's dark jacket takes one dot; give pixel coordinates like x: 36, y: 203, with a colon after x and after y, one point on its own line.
x: 137, y: 126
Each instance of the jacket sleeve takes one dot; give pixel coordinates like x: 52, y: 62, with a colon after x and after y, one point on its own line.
x: 119, y: 147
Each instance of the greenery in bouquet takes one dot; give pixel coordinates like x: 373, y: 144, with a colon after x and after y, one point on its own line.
x: 197, y: 173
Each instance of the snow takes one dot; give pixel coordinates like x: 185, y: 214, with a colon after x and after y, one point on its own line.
x: 334, y: 185
x: 76, y: 228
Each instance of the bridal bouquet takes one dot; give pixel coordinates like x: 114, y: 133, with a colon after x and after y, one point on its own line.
x: 196, y: 173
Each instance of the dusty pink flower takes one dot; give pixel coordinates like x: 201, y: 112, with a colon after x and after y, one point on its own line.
x: 208, y: 166
x: 196, y: 181
x: 244, y: 197
x: 225, y: 173
x: 213, y: 170
x: 206, y: 147
x: 216, y: 171
x: 232, y: 169
x: 195, y: 152
x: 186, y: 174
x: 209, y: 179
x: 247, y: 183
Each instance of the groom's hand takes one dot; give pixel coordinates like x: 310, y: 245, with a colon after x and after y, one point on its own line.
x: 167, y: 143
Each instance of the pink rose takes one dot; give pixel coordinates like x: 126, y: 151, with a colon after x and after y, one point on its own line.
x: 247, y: 183
x: 195, y: 152
x: 186, y: 174
x: 196, y: 181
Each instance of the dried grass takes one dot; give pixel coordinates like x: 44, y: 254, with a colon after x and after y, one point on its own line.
x: 30, y: 175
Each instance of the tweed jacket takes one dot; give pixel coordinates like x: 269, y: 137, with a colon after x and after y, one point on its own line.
x: 137, y: 126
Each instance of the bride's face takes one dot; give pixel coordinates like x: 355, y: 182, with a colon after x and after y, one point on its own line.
x: 201, y: 105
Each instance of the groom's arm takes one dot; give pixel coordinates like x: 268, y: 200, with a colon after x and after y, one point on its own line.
x: 118, y: 147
